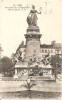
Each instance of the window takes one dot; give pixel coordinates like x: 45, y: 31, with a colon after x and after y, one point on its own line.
x: 48, y: 51
x: 57, y: 51
x: 51, y: 51
x: 43, y: 51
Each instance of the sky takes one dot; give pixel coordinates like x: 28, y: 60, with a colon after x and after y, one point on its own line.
x: 13, y: 23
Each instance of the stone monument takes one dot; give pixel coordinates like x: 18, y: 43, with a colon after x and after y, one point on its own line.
x: 33, y: 34
x: 31, y: 63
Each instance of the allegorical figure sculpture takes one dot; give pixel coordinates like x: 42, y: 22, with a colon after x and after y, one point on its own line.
x: 32, y: 17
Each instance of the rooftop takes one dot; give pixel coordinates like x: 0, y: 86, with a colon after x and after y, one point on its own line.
x: 46, y: 46
x: 58, y: 45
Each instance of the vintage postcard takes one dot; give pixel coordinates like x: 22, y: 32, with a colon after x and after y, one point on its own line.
x: 31, y: 49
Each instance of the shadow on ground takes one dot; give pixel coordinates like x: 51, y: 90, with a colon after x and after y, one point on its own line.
x: 31, y: 94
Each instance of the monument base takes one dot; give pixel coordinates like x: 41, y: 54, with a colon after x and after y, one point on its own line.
x: 33, y: 29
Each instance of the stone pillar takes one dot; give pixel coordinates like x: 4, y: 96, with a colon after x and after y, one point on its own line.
x: 16, y: 76
x: 50, y: 72
x: 32, y: 41
x: 15, y: 71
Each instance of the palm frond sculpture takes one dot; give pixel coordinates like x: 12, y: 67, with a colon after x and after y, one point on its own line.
x: 29, y: 84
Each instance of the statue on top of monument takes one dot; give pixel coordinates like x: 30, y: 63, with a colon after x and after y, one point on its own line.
x: 32, y: 17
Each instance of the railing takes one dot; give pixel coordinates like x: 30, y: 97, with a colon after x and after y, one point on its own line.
x: 24, y: 78
x: 14, y: 79
x: 40, y: 78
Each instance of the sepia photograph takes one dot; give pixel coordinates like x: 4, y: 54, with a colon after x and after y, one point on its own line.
x: 31, y: 49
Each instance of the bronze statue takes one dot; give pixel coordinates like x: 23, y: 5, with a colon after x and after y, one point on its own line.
x: 32, y: 17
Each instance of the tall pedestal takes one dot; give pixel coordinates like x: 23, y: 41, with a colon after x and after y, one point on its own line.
x: 32, y: 42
